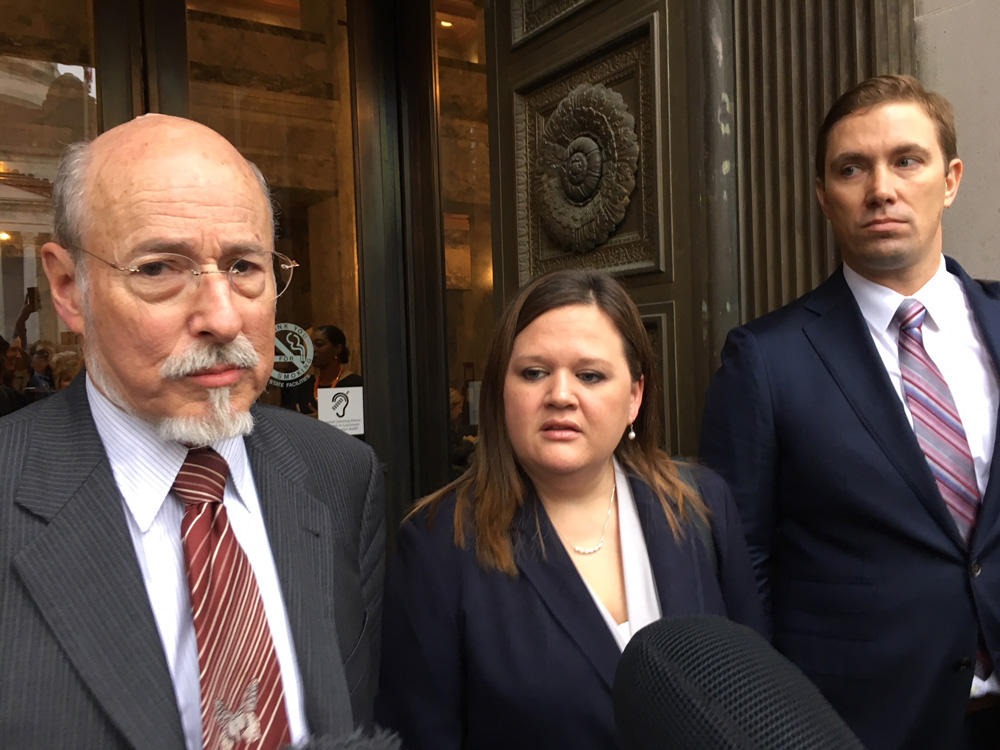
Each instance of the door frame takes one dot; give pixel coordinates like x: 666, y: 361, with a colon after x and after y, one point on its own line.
x: 400, y: 251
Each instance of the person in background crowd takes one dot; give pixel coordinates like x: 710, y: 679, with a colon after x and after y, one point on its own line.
x: 461, y: 436
x: 10, y: 398
x: 329, y: 370
x: 66, y: 365
x: 330, y: 358
x: 16, y: 366
x: 40, y: 380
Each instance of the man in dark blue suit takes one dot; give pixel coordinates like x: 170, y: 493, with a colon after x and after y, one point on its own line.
x: 882, y: 597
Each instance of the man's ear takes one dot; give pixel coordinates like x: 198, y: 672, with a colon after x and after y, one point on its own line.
x: 952, y: 179
x: 821, y: 195
x: 60, y: 268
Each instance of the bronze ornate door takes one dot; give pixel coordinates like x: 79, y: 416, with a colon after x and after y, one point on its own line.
x: 598, y: 159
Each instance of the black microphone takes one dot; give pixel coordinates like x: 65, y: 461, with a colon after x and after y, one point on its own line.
x: 706, y: 683
x: 381, y: 739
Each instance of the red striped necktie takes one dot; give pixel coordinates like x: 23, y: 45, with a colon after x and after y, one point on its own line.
x: 242, y: 702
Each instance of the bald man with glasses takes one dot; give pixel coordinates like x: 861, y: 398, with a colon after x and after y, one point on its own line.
x: 182, y: 567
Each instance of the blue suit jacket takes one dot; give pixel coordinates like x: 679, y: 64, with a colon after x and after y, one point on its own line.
x: 871, y: 590
x: 479, y: 659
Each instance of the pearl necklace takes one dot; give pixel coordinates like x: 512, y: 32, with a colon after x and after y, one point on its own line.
x: 604, y: 529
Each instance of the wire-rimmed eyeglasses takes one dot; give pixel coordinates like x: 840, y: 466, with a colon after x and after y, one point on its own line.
x: 159, y: 277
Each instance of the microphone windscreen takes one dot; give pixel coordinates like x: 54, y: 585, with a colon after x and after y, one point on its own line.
x: 706, y: 683
x: 381, y: 739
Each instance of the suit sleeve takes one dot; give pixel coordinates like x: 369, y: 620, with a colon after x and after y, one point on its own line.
x: 421, y: 683
x: 738, y: 440
x: 734, y: 570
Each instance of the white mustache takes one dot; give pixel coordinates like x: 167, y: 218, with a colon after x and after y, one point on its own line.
x: 237, y: 353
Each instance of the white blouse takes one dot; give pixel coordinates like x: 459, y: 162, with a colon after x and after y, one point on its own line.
x: 640, y: 588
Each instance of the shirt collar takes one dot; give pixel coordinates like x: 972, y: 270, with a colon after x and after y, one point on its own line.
x: 942, y: 296
x: 145, y: 465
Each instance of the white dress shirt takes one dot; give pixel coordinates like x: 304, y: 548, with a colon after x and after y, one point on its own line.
x: 952, y: 339
x: 640, y: 588
x: 144, y: 467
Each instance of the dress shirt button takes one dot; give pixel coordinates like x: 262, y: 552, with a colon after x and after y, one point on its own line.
x: 975, y: 568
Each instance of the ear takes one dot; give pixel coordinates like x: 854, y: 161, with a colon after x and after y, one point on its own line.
x: 636, y: 400
x: 951, y: 181
x: 821, y: 196
x: 60, y: 268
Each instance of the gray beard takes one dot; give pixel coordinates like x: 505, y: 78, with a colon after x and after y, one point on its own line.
x: 220, y: 423
x: 222, y: 420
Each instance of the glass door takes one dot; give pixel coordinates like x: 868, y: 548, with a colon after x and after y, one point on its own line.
x: 313, y: 91
x: 463, y: 148
x: 273, y: 76
x: 48, y: 91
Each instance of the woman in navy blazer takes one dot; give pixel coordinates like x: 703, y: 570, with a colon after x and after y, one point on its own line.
x: 516, y: 587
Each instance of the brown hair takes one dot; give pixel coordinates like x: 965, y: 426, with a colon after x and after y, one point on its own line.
x: 493, y: 488
x: 879, y: 90
x: 66, y: 365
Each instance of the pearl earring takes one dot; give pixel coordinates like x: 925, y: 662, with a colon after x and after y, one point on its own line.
x: 631, y: 431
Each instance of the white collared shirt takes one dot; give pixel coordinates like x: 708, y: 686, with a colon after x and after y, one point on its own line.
x: 144, y: 467
x: 952, y: 339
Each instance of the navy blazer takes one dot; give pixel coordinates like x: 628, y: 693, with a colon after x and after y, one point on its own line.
x: 82, y: 661
x: 871, y: 590
x: 479, y: 659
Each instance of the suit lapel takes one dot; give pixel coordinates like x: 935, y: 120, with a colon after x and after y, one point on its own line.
x: 299, y: 528
x: 984, y: 300
x: 543, y: 561
x: 841, y: 339
x: 81, y: 571
x: 677, y: 594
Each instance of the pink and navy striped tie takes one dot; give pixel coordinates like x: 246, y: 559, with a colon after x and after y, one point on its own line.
x: 242, y: 701
x: 939, y: 432
x: 936, y: 422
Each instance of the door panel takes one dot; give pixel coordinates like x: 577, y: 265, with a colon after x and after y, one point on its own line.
x: 602, y: 85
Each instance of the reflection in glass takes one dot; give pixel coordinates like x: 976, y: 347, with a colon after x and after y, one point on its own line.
x: 463, y: 122
x: 273, y: 77
x: 48, y: 98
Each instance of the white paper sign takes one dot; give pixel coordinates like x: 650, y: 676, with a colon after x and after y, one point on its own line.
x: 343, y: 408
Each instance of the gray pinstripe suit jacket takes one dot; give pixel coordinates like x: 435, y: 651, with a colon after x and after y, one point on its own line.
x: 81, y: 663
